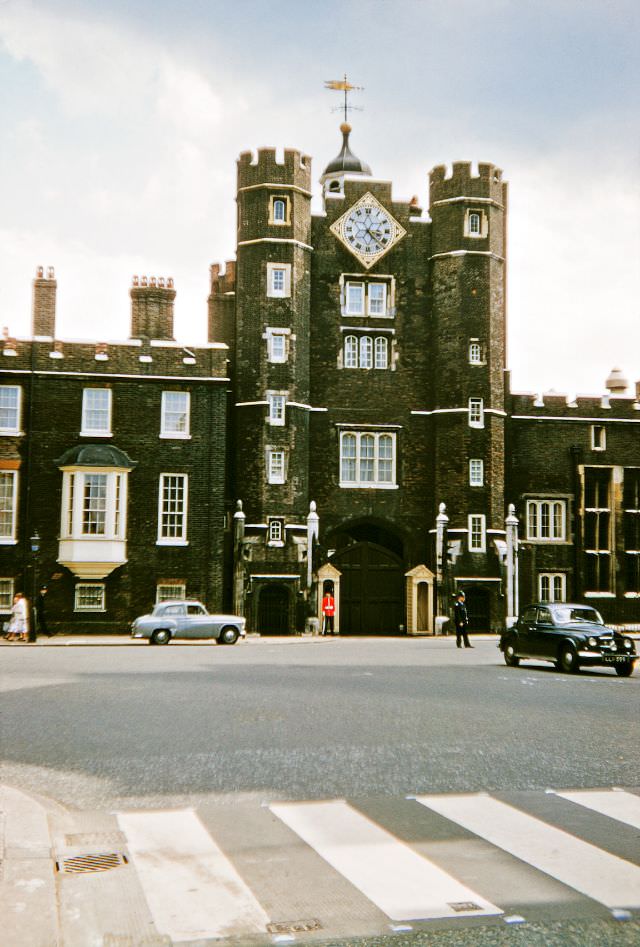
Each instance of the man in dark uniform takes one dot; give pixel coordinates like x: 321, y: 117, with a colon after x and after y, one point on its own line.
x: 41, y: 615
x: 461, y: 620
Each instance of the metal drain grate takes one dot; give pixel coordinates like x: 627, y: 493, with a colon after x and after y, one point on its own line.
x: 85, y: 863
x: 294, y: 927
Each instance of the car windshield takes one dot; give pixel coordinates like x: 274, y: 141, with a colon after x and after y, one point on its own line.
x: 567, y: 614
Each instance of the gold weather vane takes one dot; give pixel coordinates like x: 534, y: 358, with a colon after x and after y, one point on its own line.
x: 342, y: 85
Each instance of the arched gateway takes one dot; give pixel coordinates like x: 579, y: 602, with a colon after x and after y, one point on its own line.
x: 371, y: 590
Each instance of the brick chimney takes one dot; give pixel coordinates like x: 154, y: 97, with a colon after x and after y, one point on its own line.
x: 44, y: 302
x: 152, y: 308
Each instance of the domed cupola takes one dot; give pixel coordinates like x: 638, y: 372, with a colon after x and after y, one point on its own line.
x: 345, y: 163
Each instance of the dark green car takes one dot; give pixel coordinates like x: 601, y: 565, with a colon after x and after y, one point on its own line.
x: 570, y: 636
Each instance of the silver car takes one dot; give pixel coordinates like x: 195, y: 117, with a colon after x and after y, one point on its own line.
x: 187, y: 619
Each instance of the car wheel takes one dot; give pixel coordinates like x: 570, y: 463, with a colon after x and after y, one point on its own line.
x: 624, y: 670
x: 228, y: 635
x: 568, y: 660
x: 510, y: 657
x: 160, y: 636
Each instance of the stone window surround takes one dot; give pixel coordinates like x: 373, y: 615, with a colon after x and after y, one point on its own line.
x: 477, y: 532
x: 380, y: 279
x: 276, y: 273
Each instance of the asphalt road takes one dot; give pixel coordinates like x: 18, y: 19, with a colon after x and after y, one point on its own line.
x: 308, y: 719
x: 224, y: 730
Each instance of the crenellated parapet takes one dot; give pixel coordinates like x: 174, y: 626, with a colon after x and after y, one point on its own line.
x: 460, y: 182
x: 264, y: 168
x: 552, y: 406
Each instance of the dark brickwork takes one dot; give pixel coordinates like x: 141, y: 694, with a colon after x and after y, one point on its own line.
x: 444, y: 334
x: 136, y: 373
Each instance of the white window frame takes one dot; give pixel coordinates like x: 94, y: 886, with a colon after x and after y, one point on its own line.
x: 169, y: 430
x: 483, y: 224
x: 475, y: 352
x: 360, y: 308
x: 278, y: 291
x: 282, y: 335
x: 7, y: 591
x: 10, y: 409
x: 543, y: 511
x: 74, y: 495
x: 9, y: 509
x: 81, y: 587
x: 181, y: 515
x: 367, y: 456
x: 598, y: 437
x: 170, y: 591
x: 553, y: 579
x: 476, y: 472
x: 476, y: 412
x: 381, y: 352
x: 477, y: 532
x: 277, y: 401
x: 275, y: 531
x: 371, y: 311
x: 366, y: 352
x: 276, y: 465
x: 87, y: 408
x: 351, y: 351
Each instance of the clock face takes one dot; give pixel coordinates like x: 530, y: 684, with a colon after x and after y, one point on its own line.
x: 368, y: 230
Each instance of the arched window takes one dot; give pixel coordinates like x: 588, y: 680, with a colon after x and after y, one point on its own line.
x: 385, y: 458
x: 366, y: 352
x: 367, y: 458
x: 348, y: 458
x: 382, y: 359
x: 474, y: 224
x: 279, y: 212
x: 351, y: 352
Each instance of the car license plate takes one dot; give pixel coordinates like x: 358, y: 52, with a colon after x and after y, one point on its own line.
x: 614, y: 658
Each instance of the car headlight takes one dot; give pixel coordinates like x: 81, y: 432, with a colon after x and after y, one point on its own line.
x: 592, y: 642
x: 628, y: 643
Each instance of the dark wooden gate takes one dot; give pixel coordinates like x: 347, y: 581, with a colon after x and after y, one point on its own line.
x: 371, y: 590
x: 478, y: 608
x: 273, y: 610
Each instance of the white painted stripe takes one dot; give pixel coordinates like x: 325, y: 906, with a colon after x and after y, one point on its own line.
x: 610, y: 880
x: 616, y: 803
x: 192, y: 889
x: 399, y: 881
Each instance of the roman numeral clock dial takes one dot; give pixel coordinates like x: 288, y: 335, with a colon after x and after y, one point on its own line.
x: 368, y: 230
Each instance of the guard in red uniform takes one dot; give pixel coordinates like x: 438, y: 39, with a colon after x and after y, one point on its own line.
x: 328, y: 613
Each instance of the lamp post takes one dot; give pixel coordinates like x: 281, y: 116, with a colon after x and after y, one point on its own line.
x: 35, y: 549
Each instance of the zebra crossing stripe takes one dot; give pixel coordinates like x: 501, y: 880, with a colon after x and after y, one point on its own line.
x: 192, y: 889
x: 402, y: 883
x: 616, y: 803
x: 605, y: 878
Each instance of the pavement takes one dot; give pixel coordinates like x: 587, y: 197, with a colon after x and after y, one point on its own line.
x: 90, y: 640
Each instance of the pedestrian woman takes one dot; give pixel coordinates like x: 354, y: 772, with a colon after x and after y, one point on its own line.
x: 19, y: 623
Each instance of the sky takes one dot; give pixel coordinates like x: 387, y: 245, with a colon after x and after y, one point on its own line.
x: 121, y: 122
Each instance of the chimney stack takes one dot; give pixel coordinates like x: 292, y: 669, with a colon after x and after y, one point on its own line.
x: 152, y: 308
x: 44, y: 302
